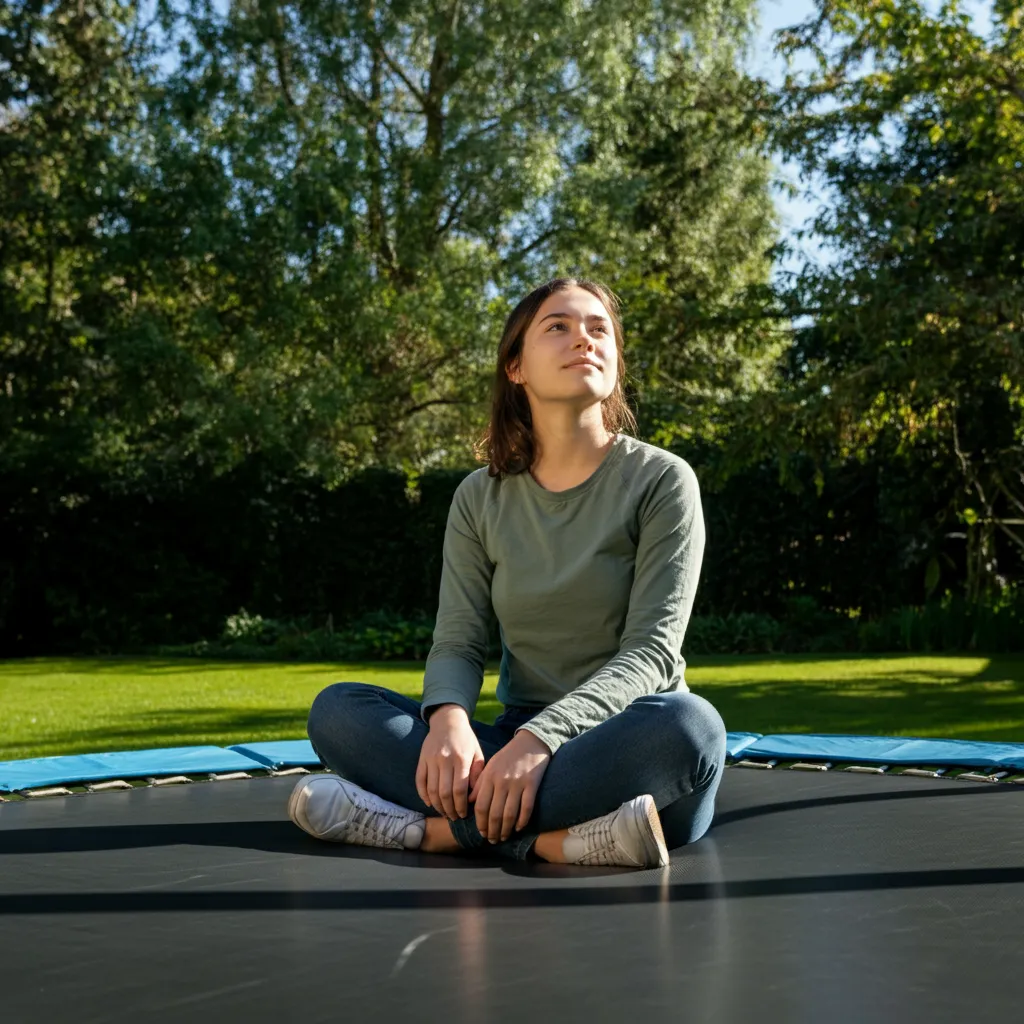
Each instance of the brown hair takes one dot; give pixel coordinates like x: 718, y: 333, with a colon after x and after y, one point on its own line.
x: 508, y: 443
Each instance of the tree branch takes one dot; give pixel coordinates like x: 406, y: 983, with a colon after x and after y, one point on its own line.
x: 1010, y: 496
x: 406, y: 413
x: 453, y: 212
x: 1019, y: 541
x: 381, y: 52
x: 539, y: 240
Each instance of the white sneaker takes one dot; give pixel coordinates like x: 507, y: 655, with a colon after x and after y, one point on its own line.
x: 629, y: 836
x: 332, y: 808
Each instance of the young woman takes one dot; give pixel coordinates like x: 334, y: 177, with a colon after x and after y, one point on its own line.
x: 586, y: 544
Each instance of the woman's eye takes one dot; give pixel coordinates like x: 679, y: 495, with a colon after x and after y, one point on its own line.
x: 559, y: 323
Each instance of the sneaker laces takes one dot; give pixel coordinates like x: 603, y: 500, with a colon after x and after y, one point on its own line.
x: 371, y: 823
x: 600, y: 840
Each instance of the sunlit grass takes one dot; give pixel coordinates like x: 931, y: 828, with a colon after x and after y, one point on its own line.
x: 87, y: 705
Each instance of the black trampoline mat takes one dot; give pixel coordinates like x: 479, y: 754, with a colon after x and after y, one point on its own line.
x: 815, y: 897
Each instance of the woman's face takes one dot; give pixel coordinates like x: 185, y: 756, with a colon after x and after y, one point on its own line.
x: 569, y: 326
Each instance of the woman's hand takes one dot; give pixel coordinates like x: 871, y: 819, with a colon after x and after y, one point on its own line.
x: 504, y: 792
x: 450, y: 762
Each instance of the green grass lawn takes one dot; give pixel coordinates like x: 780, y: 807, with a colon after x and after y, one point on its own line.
x: 88, y: 705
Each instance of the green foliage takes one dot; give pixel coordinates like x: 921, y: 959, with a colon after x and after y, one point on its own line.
x: 119, y: 573
x: 377, y: 636
x: 742, y: 633
x: 295, y: 229
x: 250, y: 629
x: 950, y: 624
x: 670, y: 203
x: 916, y: 126
x: 269, y: 251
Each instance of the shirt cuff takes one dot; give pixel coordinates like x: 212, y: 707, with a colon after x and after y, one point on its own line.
x: 550, y: 727
x: 449, y: 696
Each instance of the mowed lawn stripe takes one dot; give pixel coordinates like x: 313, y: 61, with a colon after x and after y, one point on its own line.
x: 93, y: 704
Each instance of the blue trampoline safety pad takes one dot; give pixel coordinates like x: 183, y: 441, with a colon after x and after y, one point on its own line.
x: 50, y: 771
x: 892, y: 750
x: 889, y: 750
x: 280, y: 753
x: 737, y: 742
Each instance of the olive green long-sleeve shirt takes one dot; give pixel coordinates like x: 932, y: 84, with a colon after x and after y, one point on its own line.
x: 592, y: 588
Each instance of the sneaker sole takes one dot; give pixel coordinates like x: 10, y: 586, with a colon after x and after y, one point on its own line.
x: 653, y: 835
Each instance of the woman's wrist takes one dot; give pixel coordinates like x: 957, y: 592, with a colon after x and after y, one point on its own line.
x: 443, y: 712
x: 531, y: 740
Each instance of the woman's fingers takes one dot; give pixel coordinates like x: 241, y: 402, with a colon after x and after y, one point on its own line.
x: 503, y: 811
x: 444, y: 789
x: 475, y: 770
x: 443, y: 784
x: 482, y: 804
x: 508, y: 819
x: 432, y: 780
x: 460, y: 791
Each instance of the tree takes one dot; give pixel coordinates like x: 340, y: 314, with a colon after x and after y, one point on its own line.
x: 302, y: 237
x: 67, y: 116
x: 671, y: 202
x: 917, y: 126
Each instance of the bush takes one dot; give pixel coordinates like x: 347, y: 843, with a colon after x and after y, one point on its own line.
x: 743, y: 633
x: 947, y: 625
x: 251, y: 629
x: 377, y: 636
x: 950, y: 624
x: 809, y: 628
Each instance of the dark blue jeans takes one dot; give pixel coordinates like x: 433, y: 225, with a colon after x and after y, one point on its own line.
x: 671, y: 745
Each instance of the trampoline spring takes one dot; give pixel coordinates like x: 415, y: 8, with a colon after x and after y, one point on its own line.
x: 214, y: 777
x: 809, y: 766
x: 978, y: 777
x: 49, y: 791
x: 874, y: 769
x: 167, y: 780
x: 99, y: 787
x: 924, y: 772
x: 755, y: 764
x: 277, y: 772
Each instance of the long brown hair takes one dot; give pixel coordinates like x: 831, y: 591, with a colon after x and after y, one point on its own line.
x: 508, y: 443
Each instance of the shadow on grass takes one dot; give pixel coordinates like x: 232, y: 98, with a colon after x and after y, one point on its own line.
x: 985, y: 705
x: 897, y: 695
x: 222, y: 727
x: 131, y: 665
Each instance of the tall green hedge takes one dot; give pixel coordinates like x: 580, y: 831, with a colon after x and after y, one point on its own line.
x: 112, y: 572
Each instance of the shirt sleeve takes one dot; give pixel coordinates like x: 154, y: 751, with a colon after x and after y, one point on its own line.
x: 669, y: 553
x: 454, y: 671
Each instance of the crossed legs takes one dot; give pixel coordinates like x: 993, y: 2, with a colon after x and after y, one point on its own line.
x: 671, y: 745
